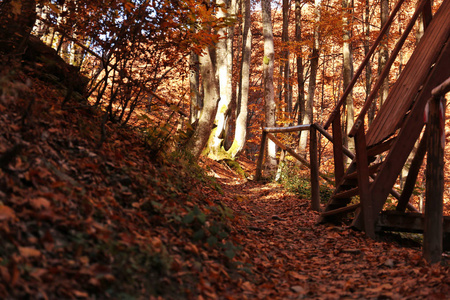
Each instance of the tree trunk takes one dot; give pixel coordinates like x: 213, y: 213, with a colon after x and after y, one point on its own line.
x: 211, y: 97
x: 384, y: 51
x: 268, y: 67
x: 194, y: 84
x: 17, y: 18
x: 373, y: 106
x: 348, y: 73
x: 229, y: 87
x: 285, y: 56
x: 300, y: 82
x: 240, y: 134
x: 215, y: 144
x: 314, y: 62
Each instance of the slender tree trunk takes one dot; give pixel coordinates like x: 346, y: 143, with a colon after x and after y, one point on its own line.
x: 314, y: 62
x: 285, y: 56
x: 211, y: 97
x: 384, y: 51
x: 348, y: 72
x: 215, y: 144
x: 268, y: 67
x: 373, y: 106
x: 230, y: 67
x: 300, y: 81
x: 244, y: 85
x: 194, y: 83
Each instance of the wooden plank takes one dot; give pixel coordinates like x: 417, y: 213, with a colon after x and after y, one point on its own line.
x: 341, y: 210
x: 442, y: 89
x: 406, y: 222
x: 363, y: 183
x: 262, y: 150
x: 347, y: 193
x: 432, y: 238
x: 372, y: 169
x: 412, y: 174
x: 313, y: 158
x: 286, y: 129
x: 409, y: 133
x: 403, y: 93
x: 380, y: 148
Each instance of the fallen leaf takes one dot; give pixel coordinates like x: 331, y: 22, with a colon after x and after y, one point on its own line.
x: 40, y: 203
x: 80, y: 294
x: 298, y: 289
x: 6, y: 213
x: 29, y: 252
x: 298, y: 276
x: 247, y: 286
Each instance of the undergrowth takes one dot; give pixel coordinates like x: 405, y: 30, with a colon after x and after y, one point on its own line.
x: 295, y: 180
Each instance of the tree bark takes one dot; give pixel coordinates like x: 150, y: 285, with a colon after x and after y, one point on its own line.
x: 244, y: 85
x: 373, y: 106
x: 384, y: 51
x: 300, y: 81
x: 314, y: 62
x: 284, y: 65
x: 348, y: 73
x: 194, y: 83
x: 215, y: 144
x: 201, y: 134
x: 268, y: 68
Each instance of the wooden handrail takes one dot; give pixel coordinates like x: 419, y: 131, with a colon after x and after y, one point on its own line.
x: 363, y: 64
x: 441, y: 89
x: 360, y: 120
x: 286, y: 129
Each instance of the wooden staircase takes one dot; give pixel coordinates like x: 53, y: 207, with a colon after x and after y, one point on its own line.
x: 383, y: 149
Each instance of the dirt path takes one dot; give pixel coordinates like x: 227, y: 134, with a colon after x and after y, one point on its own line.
x: 291, y: 257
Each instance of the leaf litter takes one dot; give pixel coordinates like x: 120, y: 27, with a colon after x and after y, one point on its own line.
x: 82, y: 222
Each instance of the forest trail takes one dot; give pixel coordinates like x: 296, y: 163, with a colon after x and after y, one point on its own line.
x: 293, y: 258
x: 80, y: 221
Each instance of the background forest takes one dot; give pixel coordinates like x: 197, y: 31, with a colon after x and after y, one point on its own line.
x: 206, y: 76
x: 119, y: 127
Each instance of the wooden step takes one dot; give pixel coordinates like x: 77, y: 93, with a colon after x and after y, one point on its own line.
x: 347, y: 193
x: 341, y: 210
x: 372, y: 170
x: 392, y: 220
x: 380, y: 148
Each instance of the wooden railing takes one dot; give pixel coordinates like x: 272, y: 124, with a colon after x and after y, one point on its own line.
x: 313, y: 164
x: 433, y: 229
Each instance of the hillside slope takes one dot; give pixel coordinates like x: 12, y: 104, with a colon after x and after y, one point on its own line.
x: 80, y: 219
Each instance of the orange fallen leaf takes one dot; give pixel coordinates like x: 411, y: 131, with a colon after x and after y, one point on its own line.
x: 38, y: 272
x: 298, y: 276
x: 29, y: 252
x: 80, y: 294
x: 40, y: 203
x: 247, y: 286
x: 6, y: 213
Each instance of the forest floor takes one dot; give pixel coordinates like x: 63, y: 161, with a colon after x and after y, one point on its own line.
x: 87, y: 211
x: 294, y: 258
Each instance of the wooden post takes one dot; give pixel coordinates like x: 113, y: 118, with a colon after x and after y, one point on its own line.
x: 262, y: 150
x: 337, y: 150
x: 412, y: 174
x: 362, y: 165
x: 433, y: 231
x: 313, y: 159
